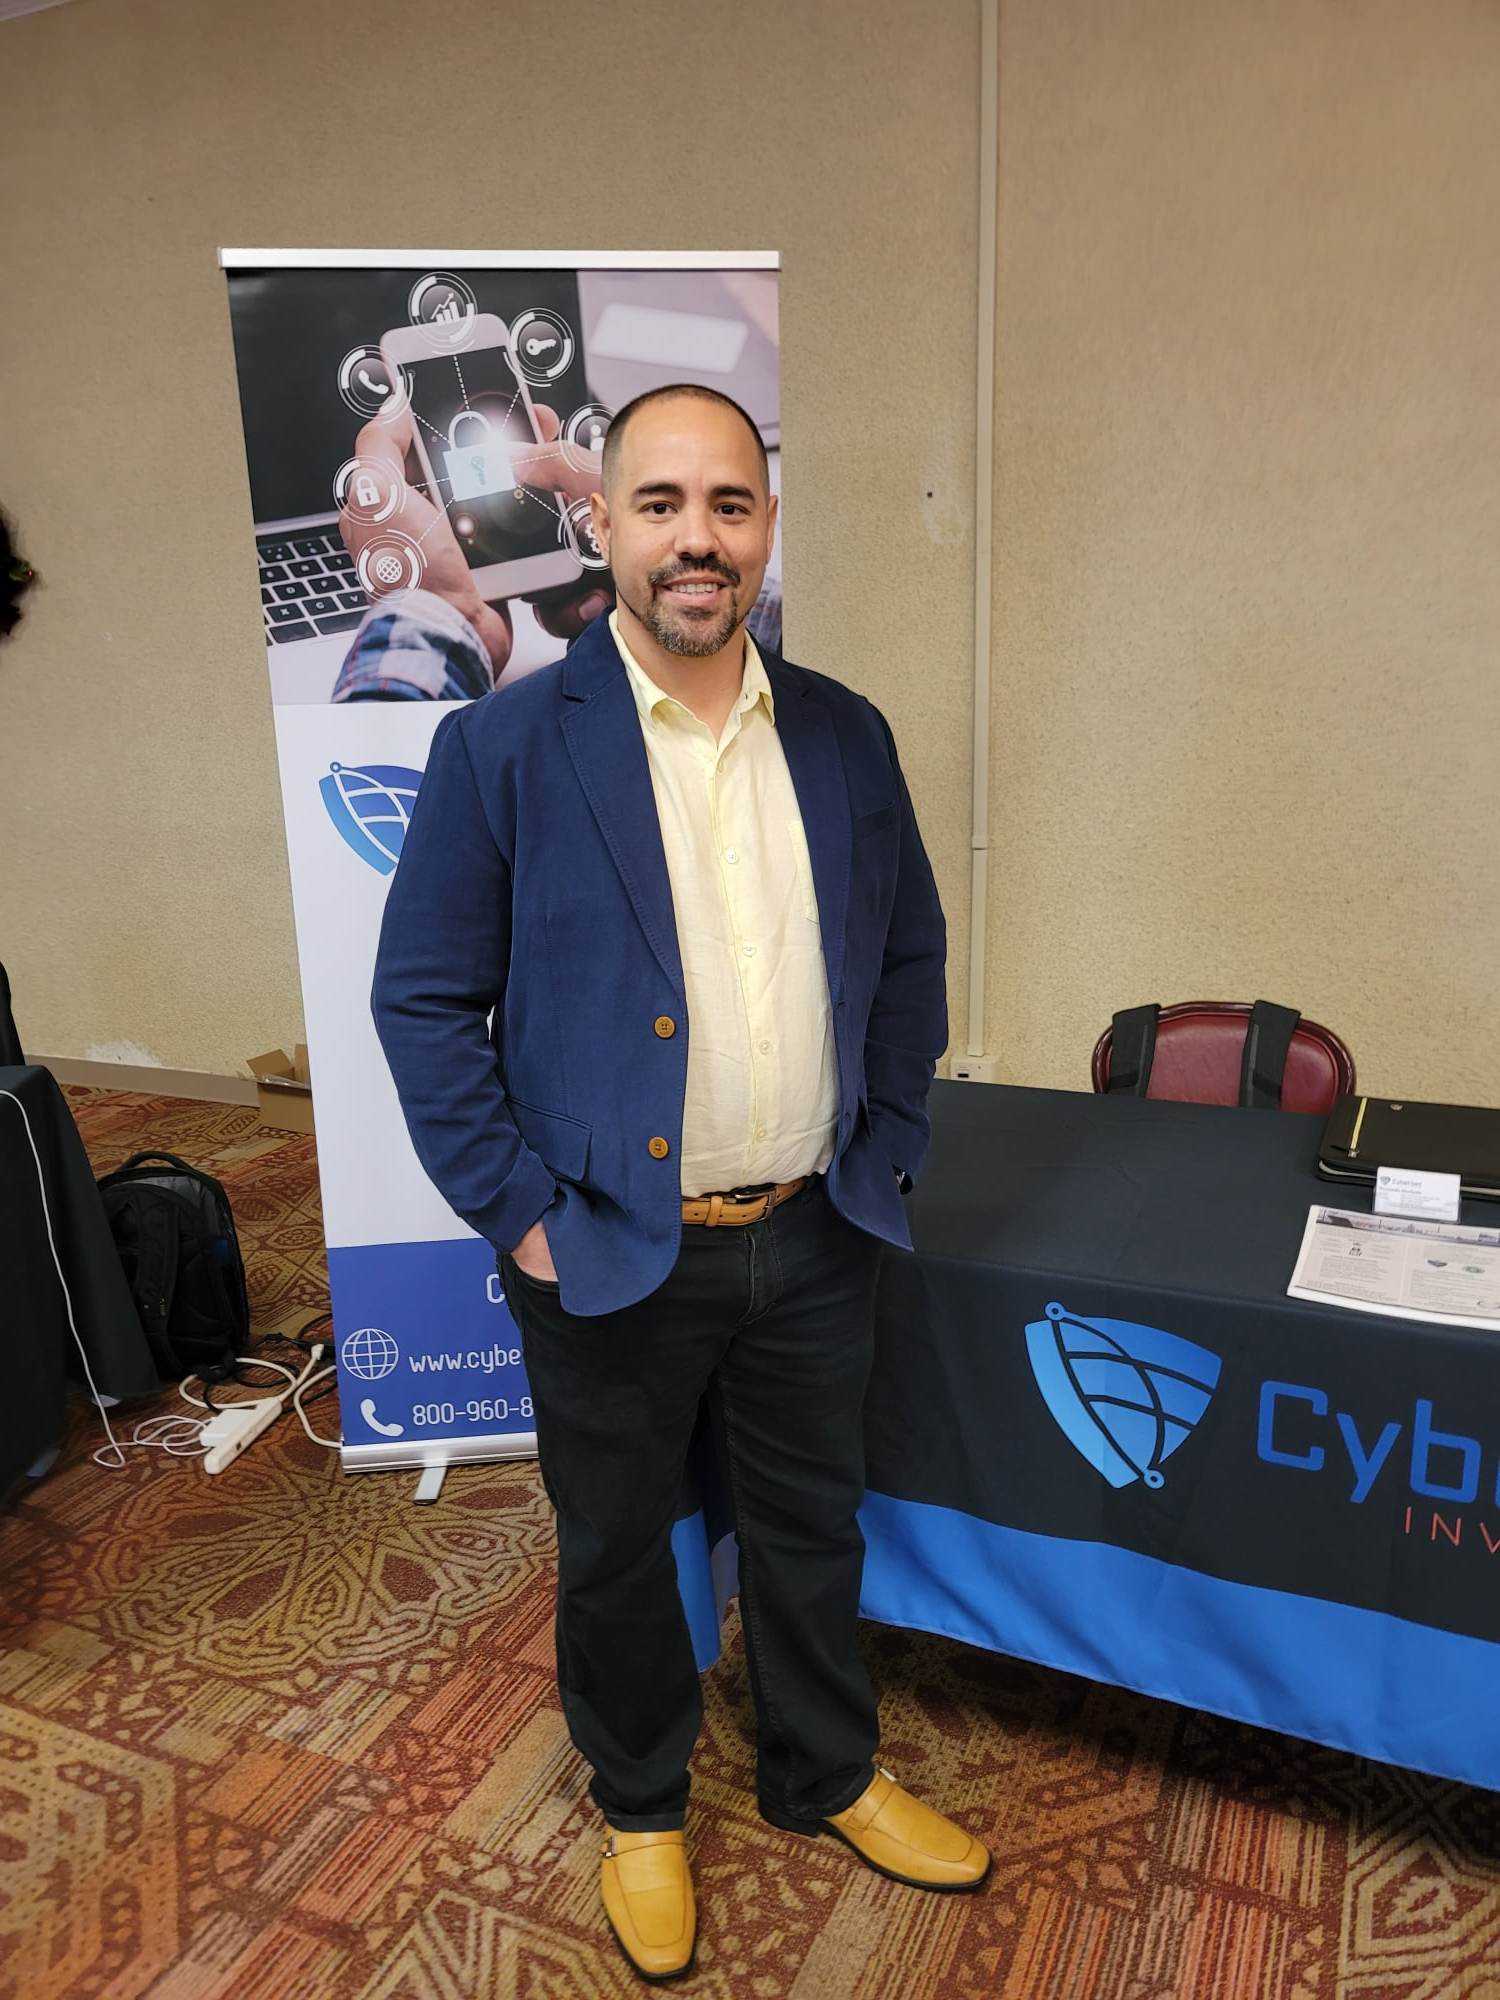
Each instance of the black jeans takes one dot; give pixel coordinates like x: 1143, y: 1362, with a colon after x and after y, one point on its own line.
x: 775, y: 1322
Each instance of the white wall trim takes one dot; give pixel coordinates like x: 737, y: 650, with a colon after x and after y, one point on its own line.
x: 192, y: 1083
x: 984, y: 523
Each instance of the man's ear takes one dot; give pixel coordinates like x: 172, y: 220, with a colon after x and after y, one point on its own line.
x: 599, y: 519
x: 772, y: 504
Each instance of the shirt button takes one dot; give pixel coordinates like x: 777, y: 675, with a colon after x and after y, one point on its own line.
x: 731, y: 854
x: 666, y: 1027
x: 760, y: 1131
x: 749, y: 950
x: 658, y: 1148
x: 764, y: 1047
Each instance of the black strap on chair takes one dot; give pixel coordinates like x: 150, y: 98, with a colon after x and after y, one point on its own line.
x: 1132, y: 1047
x: 10, y: 1041
x: 1262, y: 1067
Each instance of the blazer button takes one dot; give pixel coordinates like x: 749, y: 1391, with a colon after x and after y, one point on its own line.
x: 666, y: 1027
x: 658, y: 1149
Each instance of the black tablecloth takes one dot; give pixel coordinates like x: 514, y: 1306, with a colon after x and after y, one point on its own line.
x: 1302, y: 1528
x: 39, y: 1337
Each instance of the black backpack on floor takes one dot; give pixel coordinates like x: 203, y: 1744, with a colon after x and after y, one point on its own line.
x: 174, y: 1230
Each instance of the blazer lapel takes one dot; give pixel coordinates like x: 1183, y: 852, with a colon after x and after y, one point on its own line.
x: 809, y: 742
x: 603, y: 733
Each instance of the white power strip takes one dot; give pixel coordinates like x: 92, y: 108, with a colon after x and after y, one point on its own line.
x: 229, y: 1432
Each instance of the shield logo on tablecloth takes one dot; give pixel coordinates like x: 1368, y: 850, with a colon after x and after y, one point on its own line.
x: 1124, y: 1395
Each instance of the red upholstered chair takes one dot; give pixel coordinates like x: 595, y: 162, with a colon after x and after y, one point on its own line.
x: 1199, y: 1056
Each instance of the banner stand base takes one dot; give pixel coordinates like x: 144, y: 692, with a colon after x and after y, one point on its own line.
x: 435, y: 1455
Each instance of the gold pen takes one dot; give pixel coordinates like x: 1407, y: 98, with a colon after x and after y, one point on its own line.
x: 1354, y: 1138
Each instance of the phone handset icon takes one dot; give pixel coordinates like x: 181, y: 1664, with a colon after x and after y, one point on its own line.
x: 380, y: 389
x: 367, y: 1411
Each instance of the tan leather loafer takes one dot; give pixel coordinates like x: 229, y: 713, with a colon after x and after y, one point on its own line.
x: 648, y: 1898
x: 898, y: 1836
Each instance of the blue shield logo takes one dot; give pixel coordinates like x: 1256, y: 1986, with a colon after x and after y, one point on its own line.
x: 371, y: 805
x: 1124, y: 1395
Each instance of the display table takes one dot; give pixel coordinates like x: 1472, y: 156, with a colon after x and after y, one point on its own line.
x: 1101, y: 1437
x: 40, y: 1348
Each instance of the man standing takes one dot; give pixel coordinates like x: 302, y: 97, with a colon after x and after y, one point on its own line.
x: 688, y: 881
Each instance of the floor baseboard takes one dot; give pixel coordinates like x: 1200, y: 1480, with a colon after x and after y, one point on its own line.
x: 194, y: 1083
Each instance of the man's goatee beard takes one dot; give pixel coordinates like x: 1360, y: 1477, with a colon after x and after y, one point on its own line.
x: 697, y: 642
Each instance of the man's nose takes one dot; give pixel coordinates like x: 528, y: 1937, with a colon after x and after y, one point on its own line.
x: 697, y: 533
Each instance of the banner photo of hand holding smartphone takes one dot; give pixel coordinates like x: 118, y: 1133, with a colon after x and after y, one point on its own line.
x: 423, y: 431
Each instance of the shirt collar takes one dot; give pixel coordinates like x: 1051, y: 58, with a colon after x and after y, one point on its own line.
x: 754, y: 685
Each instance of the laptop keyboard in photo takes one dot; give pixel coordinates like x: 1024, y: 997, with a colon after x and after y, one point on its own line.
x: 308, y: 587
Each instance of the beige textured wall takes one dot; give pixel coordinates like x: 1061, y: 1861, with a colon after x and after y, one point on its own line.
x: 1247, y: 499
x: 1247, y: 707
x: 144, y: 904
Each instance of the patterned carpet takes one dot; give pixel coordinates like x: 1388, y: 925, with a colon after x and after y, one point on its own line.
x: 284, y: 1735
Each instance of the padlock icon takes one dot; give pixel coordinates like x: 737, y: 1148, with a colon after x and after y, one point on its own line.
x: 480, y: 466
x: 366, y: 492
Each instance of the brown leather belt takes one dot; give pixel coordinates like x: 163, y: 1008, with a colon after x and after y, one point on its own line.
x: 715, y: 1210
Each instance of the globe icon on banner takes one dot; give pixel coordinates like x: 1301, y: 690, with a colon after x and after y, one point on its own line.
x: 371, y: 805
x: 370, y: 1354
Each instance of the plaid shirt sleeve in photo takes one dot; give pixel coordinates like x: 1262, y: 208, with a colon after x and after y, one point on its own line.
x: 414, y: 646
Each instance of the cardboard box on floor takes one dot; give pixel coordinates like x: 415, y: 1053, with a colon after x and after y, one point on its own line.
x: 282, y: 1088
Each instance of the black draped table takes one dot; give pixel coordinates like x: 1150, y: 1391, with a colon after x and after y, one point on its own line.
x: 1100, y: 1436
x: 57, y: 1259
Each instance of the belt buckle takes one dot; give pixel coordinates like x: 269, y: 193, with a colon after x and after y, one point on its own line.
x: 760, y: 1194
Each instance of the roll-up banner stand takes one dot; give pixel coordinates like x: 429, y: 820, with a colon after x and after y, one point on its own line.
x: 491, y: 370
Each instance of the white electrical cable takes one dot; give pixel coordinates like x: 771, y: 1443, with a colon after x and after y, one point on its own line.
x: 241, y: 1361
x: 176, y: 1433
x: 332, y: 1444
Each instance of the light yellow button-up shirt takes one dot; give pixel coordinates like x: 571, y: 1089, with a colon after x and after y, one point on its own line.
x: 762, y: 1084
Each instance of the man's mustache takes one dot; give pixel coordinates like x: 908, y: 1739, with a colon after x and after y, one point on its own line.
x: 709, y: 566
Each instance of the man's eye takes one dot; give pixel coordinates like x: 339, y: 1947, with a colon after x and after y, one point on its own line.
x: 657, y: 507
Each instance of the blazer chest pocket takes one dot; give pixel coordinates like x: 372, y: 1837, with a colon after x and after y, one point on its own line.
x: 562, y: 1143
x: 873, y: 822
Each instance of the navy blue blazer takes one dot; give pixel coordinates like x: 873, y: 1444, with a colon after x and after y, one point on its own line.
x: 529, y: 947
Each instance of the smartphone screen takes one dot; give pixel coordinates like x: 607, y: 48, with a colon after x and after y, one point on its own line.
x: 473, y: 421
